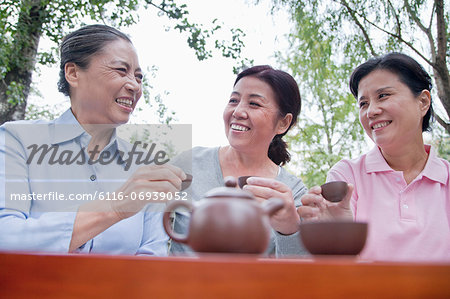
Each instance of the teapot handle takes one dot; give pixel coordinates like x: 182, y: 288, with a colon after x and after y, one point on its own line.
x: 273, y: 205
x: 168, y: 225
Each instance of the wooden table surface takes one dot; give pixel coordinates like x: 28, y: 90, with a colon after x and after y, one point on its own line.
x: 215, y: 276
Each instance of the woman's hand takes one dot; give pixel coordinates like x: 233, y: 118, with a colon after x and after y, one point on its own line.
x: 147, y: 179
x: 97, y: 216
x: 286, y: 220
x: 317, y: 208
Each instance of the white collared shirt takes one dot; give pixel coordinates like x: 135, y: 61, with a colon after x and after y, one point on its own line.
x: 42, y: 192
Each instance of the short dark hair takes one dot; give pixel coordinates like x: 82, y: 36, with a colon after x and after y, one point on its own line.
x: 79, y: 46
x: 288, y: 99
x: 409, y: 71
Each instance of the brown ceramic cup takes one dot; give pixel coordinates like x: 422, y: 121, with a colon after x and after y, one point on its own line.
x: 334, y: 191
x: 242, y: 180
x: 186, y: 182
x: 333, y: 238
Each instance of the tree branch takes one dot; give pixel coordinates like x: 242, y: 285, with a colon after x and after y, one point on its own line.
x: 399, y: 27
x: 413, y: 15
x: 170, y: 14
x: 426, y: 30
x: 443, y: 123
x: 432, y: 15
x: 441, y: 30
x: 358, y: 23
x: 353, y: 12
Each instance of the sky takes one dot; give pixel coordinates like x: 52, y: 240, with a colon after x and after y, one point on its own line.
x: 198, y: 91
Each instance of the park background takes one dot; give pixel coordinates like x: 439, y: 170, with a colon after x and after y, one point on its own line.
x: 191, y: 50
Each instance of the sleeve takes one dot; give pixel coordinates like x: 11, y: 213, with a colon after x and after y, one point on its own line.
x: 183, y: 161
x: 19, y: 229
x: 342, y: 171
x: 154, y: 238
x: 288, y: 245
x: 337, y: 173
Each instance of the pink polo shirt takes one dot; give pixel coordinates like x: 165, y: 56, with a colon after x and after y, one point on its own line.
x: 406, y: 222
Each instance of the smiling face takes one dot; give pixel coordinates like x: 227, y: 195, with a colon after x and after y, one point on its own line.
x: 389, y: 112
x: 252, y: 116
x: 107, y: 91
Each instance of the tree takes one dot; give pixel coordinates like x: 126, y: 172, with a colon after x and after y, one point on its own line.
x: 441, y: 142
x: 23, y: 23
x: 328, y: 127
x: 419, y: 27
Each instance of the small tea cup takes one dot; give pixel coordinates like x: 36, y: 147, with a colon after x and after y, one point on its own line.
x: 186, y: 182
x: 334, y: 191
x: 242, y: 181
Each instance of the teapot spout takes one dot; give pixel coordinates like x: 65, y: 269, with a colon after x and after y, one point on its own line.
x: 273, y: 205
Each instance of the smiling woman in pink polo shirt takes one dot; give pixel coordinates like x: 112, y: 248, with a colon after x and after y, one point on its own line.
x: 401, y: 188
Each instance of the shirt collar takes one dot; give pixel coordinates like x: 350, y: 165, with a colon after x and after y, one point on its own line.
x: 434, y: 168
x: 375, y: 161
x: 64, y: 128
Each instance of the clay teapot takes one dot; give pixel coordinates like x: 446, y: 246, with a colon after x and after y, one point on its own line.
x: 227, y: 220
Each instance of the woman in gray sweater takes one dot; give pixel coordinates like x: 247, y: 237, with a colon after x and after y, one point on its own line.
x: 263, y: 106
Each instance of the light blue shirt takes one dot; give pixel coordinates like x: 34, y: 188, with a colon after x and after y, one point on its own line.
x: 40, y: 193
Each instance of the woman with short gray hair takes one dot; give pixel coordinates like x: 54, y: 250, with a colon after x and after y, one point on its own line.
x: 42, y: 207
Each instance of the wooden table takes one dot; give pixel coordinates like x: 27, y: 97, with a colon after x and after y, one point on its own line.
x: 215, y: 276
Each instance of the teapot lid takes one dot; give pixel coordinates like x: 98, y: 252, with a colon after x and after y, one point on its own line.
x: 229, y: 190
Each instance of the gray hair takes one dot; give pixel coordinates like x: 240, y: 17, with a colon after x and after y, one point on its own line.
x: 79, y: 46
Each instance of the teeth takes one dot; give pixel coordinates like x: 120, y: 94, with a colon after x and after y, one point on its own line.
x: 239, y: 128
x: 380, y: 125
x: 125, y: 102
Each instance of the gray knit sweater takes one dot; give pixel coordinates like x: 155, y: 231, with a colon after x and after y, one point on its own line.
x: 203, y: 164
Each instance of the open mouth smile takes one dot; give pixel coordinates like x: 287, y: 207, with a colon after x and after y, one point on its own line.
x: 125, y: 102
x: 381, y: 125
x: 239, y: 128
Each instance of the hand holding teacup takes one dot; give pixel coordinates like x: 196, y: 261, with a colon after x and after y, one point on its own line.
x: 328, y: 202
x: 160, y: 179
x: 284, y: 221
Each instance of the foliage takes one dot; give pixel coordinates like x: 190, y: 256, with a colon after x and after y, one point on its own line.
x: 23, y: 23
x: 164, y: 114
x: 150, y: 138
x: 440, y: 141
x: 443, y: 146
x: 35, y: 112
x: 373, y: 27
x: 328, y: 127
x: 330, y: 39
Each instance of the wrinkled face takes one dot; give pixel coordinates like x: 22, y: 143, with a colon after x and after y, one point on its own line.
x: 388, y: 110
x: 108, y: 90
x: 252, y: 116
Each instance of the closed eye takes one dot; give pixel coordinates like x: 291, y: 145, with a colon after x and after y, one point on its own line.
x: 255, y: 104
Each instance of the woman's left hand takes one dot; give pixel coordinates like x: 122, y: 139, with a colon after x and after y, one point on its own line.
x: 286, y: 220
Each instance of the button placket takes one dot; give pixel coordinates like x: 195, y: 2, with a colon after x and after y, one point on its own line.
x: 407, y: 204
x: 93, y: 169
